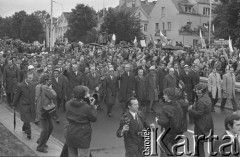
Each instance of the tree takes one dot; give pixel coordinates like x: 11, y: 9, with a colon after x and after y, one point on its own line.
x: 227, y: 20
x: 5, y: 27
x: 82, y: 21
x: 16, y: 25
x: 31, y: 28
x: 123, y: 24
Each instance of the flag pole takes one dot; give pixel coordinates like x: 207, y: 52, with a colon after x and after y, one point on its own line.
x: 210, y: 23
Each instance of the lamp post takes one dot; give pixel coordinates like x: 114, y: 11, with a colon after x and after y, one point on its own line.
x: 51, y: 33
x: 210, y: 23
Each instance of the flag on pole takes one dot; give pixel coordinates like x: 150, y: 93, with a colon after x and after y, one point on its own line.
x: 200, y: 34
x: 154, y: 46
x: 163, y: 38
x: 230, y: 44
x: 113, y: 39
x: 135, y: 41
x: 213, y: 29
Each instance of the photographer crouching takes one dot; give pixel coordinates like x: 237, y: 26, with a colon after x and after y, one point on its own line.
x: 80, y: 111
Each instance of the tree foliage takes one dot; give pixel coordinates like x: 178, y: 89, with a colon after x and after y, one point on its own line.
x: 81, y: 23
x: 21, y: 26
x: 123, y: 24
x: 227, y: 20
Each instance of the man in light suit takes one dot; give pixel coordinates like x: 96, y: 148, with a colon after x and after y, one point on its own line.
x: 229, y: 89
x: 214, y: 87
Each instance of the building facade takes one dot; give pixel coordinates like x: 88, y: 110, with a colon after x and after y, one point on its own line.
x: 181, y: 20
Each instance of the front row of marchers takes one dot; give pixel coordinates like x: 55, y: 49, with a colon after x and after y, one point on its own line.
x: 81, y: 111
x: 174, y: 122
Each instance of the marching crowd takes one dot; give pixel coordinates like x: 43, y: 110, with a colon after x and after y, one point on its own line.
x: 83, y: 79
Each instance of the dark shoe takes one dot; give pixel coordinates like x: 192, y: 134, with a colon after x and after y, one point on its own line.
x: 23, y: 128
x: 57, y: 121
x: 29, y: 137
x: 213, y: 110
x: 46, y: 146
x: 222, y: 108
x: 110, y: 115
x: 36, y: 122
x: 42, y: 150
x: 99, y: 107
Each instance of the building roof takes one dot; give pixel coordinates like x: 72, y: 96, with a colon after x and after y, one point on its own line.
x: 147, y: 7
x: 67, y: 15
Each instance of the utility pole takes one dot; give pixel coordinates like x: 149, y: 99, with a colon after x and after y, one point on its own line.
x: 51, y: 33
x: 210, y: 23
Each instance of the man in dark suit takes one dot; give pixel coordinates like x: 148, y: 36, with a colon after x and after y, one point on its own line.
x: 75, y: 78
x: 131, y: 128
x: 196, y: 80
x: 139, y: 87
x: 126, y: 89
x: 161, y: 73
x: 10, y: 80
x: 144, y: 67
x: 93, y: 81
x: 229, y: 139
x: 170, y: 79
x: 24, y: 99
x: 110, y: 89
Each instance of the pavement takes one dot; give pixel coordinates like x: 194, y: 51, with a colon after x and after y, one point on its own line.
x: 104, y: 141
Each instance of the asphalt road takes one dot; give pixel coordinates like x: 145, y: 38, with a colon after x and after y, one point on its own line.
x: 104, y: 141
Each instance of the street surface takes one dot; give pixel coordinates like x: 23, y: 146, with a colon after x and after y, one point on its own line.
x: 104, y: 140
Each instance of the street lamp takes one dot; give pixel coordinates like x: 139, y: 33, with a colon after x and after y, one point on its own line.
x: 210, y: 23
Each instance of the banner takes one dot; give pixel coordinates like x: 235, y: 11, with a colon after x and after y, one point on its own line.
x: 143, y: 43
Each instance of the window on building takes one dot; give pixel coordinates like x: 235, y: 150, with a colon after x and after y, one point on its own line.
x: 206, y: 11
x: 145, y: 27
x: 156, y: 26
x: 188, y: 9
x: 169, y: 26
x: 163, y: 10
x: 163, y: 25
x: 133, y: 3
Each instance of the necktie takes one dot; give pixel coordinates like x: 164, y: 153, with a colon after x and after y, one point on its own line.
x: 128, y: 73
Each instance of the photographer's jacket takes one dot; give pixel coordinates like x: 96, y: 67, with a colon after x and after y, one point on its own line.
x: 79, y: 115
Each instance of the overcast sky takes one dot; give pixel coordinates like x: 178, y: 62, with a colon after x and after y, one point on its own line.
x: 9, y: 7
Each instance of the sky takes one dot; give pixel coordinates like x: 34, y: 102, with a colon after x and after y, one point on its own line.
x: 9, y: 7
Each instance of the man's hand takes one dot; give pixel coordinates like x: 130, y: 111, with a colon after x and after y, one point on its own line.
x: 125, y: 128
x: 97, y: 88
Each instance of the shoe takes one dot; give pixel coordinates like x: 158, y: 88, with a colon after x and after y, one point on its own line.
x: 36, y: 122
x: 46, y: 146
x: 29, y: 137
x: 99, y: 107
x: 57, y: 121
x: 42, y: 150
x: 23, y: 128
x: 213, y: 110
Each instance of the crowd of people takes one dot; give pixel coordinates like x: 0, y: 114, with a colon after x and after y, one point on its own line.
x: 138, y: 77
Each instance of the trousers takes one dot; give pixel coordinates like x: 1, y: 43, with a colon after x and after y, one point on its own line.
x: 47, y: 128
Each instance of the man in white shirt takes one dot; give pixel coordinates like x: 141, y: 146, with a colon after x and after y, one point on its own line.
x: 131, y: 128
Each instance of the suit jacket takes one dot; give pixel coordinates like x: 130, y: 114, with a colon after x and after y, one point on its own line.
x: 59, y: 87
x: 169, y: 81
x: 214, y: 85
x: 229, y: 86
x: 126, y: 86
x: 110, y: 88
x: 133, y: 142
x: 160, y: 76
x: 11, y: 78
x: 74, y: 80
x: 225, y: 139
x: 139, y: 87
x: 24, y: 98
x: 92, y: 82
